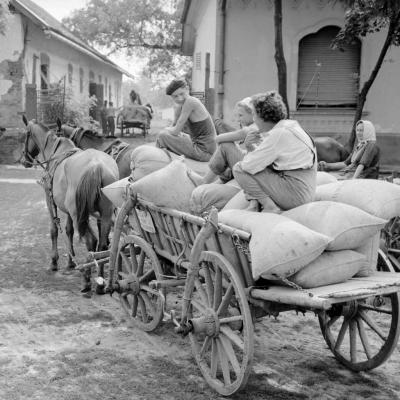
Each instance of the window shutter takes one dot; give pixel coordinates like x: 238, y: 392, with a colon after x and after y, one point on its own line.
x: 327, y: 77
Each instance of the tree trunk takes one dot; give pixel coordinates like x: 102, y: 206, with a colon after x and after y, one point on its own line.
x: 279, y: 55
x: 362, y: 96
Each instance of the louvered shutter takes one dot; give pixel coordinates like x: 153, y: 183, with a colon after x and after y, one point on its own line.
x: 327, y: 77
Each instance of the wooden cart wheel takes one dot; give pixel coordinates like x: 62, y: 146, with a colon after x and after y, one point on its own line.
x: 224, y: 351
x: 138, y: 263
x: 391, y: 234
x: 362, y: 334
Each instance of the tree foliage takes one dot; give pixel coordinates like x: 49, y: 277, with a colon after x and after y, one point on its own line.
x: 365, y: 17
x: 149, y: 28
x: 4, y: 15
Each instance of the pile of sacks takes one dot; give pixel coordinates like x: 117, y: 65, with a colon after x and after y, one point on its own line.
x: 158, y: 176
x: 324, y: 242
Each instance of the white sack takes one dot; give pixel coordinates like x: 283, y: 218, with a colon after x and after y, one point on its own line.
x: 169, y: 187
x: 279, y: 246
x: 146, y: 159
x: 379, y: 198
x: 324, y: 177
x: 329, y: 268
x: 349, y: 226
x: 115, y: 192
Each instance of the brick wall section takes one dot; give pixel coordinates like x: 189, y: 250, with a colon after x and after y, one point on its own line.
x: 11, y: 107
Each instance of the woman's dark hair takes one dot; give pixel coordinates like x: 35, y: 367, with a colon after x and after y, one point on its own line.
x: 174, y: 85
x: 269, y: 106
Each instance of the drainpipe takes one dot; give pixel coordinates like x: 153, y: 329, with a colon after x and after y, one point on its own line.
x: 221, y: 30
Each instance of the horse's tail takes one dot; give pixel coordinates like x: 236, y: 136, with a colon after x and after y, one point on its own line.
x: 87, y: 195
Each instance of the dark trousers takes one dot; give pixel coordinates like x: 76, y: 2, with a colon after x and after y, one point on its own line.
x: 111, y: 125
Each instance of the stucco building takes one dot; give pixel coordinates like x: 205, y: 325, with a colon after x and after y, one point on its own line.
x: 232, y: 44
x: 37, y: 51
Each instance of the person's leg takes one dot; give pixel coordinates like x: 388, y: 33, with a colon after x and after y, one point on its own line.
x: 112, y: 126
x: 182, y: 145
x: 287, y: 189
x: 222, y: 161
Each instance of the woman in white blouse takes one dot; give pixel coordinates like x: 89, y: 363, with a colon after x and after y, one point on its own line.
x: 280, y: 173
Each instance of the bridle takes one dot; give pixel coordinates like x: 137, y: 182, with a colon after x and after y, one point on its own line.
x: 30, y: 159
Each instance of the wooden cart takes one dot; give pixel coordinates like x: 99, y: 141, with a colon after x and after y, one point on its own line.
x: 156, y: 252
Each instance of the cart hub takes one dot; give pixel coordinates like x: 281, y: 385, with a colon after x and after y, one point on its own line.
x: 130, y: 284
x: 207, y: 324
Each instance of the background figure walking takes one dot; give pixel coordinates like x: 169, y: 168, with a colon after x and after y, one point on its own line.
x: 103, y: 118
x: 110, y: 112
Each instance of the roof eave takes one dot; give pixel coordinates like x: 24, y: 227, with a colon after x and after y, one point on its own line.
x: 58, y: 35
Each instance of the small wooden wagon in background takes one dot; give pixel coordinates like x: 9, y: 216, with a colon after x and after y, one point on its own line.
x: 156, y: 252
x: 133, y: 117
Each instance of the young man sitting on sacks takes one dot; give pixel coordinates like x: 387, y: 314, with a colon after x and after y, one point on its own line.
x: 280, y: 173
x: 190, y: 112
x: 228, y: 153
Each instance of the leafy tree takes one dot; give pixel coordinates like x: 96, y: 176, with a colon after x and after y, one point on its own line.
x: 365, y: 17
x: 149, y: 28
x: 4, y: 14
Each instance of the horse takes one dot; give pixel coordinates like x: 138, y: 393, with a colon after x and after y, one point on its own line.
x: 330, y: 150
x: 72, y: 180
x: 87, y: 139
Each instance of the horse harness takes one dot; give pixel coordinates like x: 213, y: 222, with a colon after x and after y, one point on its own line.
x: 115, y: 149
x: 46, y: 180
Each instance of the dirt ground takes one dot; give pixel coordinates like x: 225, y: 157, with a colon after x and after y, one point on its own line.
x: 55, y: 344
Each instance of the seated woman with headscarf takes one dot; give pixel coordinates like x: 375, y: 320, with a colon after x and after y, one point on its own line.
x: 280, y: 173
x: 191, y: 113
x: 363, y: 162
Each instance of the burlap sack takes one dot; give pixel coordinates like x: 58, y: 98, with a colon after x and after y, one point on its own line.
x: 116, y: 191
x: 146, y: 159
x: 349, y: 226
x: 324, y: 177
x: 279, y: 246
x: 212, y: 195
x: 379, y: 198
x: 169, y: 187
x: 329, y: 268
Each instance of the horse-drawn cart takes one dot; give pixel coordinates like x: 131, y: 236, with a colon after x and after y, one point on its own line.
x: 156, y: 252
x: 134, y: 117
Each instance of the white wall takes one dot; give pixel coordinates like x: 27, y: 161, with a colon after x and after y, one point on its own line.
x: 205, y: 26
x: 11, y: 45
x: 250, y: 65
x: 61, y: 54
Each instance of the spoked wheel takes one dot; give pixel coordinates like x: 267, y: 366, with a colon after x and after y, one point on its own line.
x: 222, y: 338
x: 391, y: 234
x: 136, y: 265
x: 362, y: 334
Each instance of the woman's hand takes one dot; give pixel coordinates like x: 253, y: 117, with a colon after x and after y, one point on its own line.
x: 252, y: 140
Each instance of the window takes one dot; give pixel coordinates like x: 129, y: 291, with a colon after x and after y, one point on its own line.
x: 105, y: 87
x: 197, y: 61
x: 109, y: 93
x: 81, y: 77
x: 91, y: 76
x: 70, y: 72
x: 100, y: 79
x: 44, y: 71
x: 327, y: 77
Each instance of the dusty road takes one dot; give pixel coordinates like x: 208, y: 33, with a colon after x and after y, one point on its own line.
x: 55, y: 344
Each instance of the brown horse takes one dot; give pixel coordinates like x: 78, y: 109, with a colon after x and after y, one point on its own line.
x: 330, y: 150
x: 72, y: 180
x: 87, y: 139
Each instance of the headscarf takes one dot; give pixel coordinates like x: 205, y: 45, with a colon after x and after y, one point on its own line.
x: 369, y: 135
